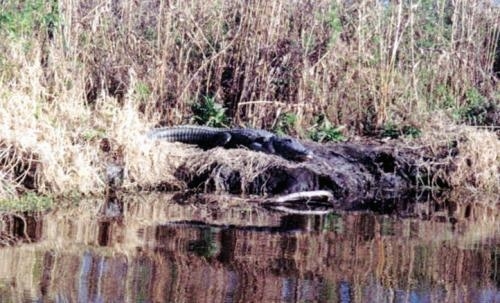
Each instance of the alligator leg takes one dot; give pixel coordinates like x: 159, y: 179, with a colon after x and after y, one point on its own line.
x: 256, y: 147
x: 265, y: 147
x: 219, y: 139
x: 222, y: 139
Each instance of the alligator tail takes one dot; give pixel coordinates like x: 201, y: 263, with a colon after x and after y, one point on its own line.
x: 205, y: 137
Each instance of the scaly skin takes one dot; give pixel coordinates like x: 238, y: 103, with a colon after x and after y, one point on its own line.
x: 203, y: 136
x: 290, y: 149
x: 254, y: 139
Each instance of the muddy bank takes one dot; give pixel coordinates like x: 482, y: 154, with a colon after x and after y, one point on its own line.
x: 357, y: 174
x: 367, y: 174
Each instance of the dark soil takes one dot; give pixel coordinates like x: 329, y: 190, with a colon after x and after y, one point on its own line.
x: 360, y: 175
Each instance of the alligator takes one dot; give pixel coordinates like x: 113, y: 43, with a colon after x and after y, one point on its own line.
x: 253, y: 139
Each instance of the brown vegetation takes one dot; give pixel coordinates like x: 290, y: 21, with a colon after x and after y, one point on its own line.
x: 81, y: 81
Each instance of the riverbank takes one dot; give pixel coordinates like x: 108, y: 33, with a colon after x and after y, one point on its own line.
x: 41, y: 159
x: 82, y: 82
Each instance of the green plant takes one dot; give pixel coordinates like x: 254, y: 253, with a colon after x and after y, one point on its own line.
x: 209, y: 112
x: 22, y: 18
x: 444, y: 97
x: 142, y: 91
x: 475, y: 110
x: 27, y: 202
x: 411, y: 131
x: 392, y: 131
x: 150, y: 34
x: 334, y: 23
x: 324, y: 131
x: 286, y: 123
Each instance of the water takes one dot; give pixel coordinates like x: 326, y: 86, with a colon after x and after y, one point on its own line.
x: 151, y: 249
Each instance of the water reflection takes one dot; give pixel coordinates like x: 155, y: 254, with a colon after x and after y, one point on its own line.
x: 153, y: 250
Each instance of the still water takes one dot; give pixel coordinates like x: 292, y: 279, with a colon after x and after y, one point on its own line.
x: 153, y: 249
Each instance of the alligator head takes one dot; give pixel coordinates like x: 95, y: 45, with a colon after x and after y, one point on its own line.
x: 291, y: 149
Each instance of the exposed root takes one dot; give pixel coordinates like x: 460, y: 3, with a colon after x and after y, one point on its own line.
x: 292, y: 203
x: 304, y: 196
x: 294, y: 211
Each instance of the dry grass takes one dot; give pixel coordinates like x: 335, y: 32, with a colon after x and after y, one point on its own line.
x: 464, y: 157
x: 362, y: 64
x: 102, y: 72
x: 220, y: 163
x: 478, y: 163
